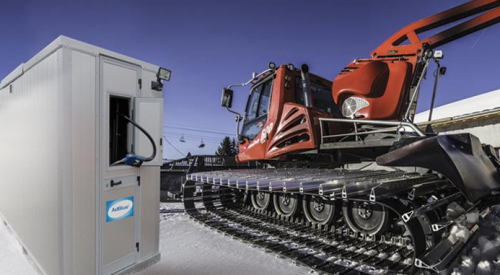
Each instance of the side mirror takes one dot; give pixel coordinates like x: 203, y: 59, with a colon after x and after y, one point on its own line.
x: 227, y: 98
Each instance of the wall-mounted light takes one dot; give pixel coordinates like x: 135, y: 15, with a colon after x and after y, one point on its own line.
x: 162, y: 74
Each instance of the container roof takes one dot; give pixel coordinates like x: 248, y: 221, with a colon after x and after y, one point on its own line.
x: 70, y: 43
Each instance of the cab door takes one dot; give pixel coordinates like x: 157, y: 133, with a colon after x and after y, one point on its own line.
x: 256, y: 128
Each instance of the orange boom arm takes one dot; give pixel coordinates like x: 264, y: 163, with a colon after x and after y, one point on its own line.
x: 387, y: 84
x: 392, y: 46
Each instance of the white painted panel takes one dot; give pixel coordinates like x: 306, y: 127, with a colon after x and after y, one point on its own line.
x: 150, y: 202
x: 120, y: 236
x: 29, y: 185
x: 83, y: 86
x: 119, y: 79
x: 146, y: 91
x: 149, y: 114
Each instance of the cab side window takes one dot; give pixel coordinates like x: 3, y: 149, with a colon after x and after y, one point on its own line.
x: 264, y: 99
x: 253, y: 104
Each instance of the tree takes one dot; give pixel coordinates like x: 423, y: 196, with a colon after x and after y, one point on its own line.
x: 226, y: 148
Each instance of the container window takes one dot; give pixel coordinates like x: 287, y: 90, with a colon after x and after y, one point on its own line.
x: 119, y: 133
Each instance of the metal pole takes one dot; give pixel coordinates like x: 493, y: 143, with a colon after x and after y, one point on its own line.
x: 438, y: 73
x: 416, y: 90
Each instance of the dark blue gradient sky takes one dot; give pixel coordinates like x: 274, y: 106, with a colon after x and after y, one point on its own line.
x: 210, y: 44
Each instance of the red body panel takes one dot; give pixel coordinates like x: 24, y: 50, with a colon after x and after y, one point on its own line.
x: 289, y: 127
x: 297, y: 122
x: 385, y: 85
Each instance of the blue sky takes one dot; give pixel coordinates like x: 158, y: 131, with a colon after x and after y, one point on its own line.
x: 210, y: 44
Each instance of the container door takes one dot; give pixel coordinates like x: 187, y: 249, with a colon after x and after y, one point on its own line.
x: 119, y: 205
x: 120, y: 219
x: 149, y: 114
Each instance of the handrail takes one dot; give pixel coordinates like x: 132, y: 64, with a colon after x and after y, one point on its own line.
x: 356, y: 122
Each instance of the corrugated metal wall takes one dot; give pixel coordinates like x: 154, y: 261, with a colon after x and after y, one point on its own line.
x: 29, y: 185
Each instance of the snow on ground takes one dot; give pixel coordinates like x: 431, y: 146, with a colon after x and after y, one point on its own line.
x: 188, y: 248
x: 484, y: 257
x: 12, y: 259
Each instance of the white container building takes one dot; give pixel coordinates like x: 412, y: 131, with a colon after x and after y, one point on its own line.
x: 72, y: 211
x: 478, y: 115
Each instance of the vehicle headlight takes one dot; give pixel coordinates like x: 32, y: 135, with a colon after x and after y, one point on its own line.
x: 353, y: 104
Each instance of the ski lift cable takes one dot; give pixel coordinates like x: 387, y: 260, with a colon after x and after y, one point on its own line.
x: 182, y: 127
x: 165, y: 138
x: 199, y: 130
x: 208, y: 135
x: 188, y: 140
x: 192, y: 137
x: 173, y: 132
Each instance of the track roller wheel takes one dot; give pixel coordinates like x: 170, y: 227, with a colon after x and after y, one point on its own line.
x: 319, y: 210
x: 365, y: 217
x: 261, y: 200
x: 286, y: 205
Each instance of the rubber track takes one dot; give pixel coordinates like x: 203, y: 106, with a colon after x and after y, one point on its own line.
x: 325, y: 250
x: 325, y: 253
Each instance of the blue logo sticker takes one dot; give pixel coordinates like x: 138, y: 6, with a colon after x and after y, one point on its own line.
x: 119, y: 209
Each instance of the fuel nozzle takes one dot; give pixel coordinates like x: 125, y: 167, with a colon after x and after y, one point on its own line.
x: 130, y: 160
x: 133, y: 159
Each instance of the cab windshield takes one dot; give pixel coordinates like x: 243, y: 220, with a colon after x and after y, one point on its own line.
x: 257, y: 109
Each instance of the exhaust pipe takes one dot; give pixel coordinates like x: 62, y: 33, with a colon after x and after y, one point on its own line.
x: 306, y: 85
